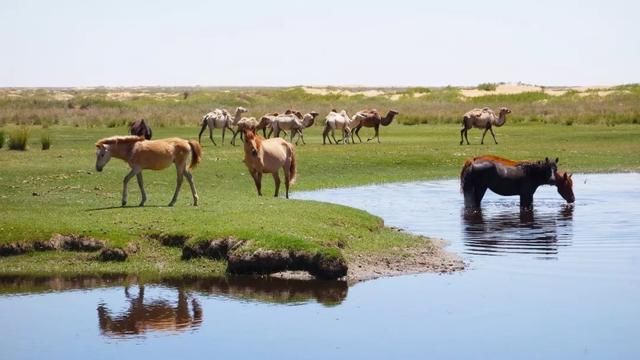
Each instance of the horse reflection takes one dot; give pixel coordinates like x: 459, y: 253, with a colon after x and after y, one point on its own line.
x: 151, y: 315
x: 527, y: 232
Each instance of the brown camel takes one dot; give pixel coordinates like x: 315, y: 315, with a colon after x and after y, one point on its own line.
x: 485, y: 119
x: 371, y: 118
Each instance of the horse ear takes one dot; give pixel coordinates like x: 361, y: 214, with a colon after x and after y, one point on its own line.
x: 566, y: 176
x: 557, y: 160
x: 570, y: 176
x: 546, y: 160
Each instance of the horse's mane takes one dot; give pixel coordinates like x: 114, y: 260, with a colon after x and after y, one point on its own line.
x: 119, y: 140
x: 253, y: 136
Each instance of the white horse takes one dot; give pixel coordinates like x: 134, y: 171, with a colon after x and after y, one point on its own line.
x: 220, y: 119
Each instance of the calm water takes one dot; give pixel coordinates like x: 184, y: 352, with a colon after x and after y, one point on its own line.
x: 561, y: 282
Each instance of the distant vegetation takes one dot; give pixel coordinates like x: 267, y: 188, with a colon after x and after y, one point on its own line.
x: 18, y: 138
x: 104, y: 107
x: 487, y: 86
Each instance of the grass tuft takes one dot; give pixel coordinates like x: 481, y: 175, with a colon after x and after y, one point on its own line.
x: 45, y: 139
x: 1, y: 139
x: 18, y: 139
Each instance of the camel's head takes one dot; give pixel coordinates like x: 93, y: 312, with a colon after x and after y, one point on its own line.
x: 564, y: 183
x: 103, y: 155
x: 240, y: 110
x: 505, y: 110
x: 314, y: 114
x: 394, y: 112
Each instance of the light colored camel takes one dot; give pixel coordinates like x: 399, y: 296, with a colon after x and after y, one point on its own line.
x: 143, y: 154
x: 293, y: 123
x: 220, y: 119
x: 341, y: 121
x: 483, y: 118
x: 245, y: 123
x: 268, y: 156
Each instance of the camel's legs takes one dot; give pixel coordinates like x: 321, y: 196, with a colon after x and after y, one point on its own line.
x: 357, y: 131
x: 325, y: 136
x: 224, y: 129
x: 276, y: 179
x: 194, y: 193
x: 376, y: 135
x: 125, y: 182
x: 494, y: 135
x: 334, y: 136
x: 211, y: 135
x: 462, y: 132
x: 141, y: 185
x: 483, y: 134
x: 204, y: 126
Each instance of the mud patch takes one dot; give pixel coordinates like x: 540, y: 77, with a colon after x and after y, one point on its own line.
x: 112, y: 254
x: 14, y: 249
x: 265, y: 262
x: 214, y: 249
x: 173, y: 240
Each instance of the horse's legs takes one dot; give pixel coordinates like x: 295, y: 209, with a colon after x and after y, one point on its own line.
x: 287, y: 176
x: 257, y: 179
x: 125, y: 182
x: 479, y: 194
x: 141, y: 185
x: 494, y: 135
x: 276, y: 179
x: 180, y: 176
x: 194, y: 193
x: 526, y: 200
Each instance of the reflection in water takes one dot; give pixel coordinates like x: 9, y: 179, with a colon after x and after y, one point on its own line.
x: 174, y: 305
x: 153, y: 315
x: 526, y: 232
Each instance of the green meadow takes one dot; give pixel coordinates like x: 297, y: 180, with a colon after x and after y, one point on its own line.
x: 58, y: 191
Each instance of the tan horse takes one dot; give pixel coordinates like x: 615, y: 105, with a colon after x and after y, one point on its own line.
x: 268, y: 156
x: 141, y: 154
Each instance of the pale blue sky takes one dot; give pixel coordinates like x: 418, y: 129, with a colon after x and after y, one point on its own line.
x: 328, y: 42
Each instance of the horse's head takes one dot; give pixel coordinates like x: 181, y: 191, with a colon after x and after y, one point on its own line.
x: 251, y: 142
x: 103, y: 155
x: 564, y: 183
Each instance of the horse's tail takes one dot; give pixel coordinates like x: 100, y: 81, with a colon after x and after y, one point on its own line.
x: 196, y: 153
x: 466, y: 169
x: 293, y: 171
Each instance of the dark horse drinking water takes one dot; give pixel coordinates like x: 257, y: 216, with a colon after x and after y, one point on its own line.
x: 508, y: 177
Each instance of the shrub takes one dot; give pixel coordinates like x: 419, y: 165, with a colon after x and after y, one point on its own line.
x: 18, y: 139
x: 45, y: 139
x: 1, y: 139
x: 488, y: 86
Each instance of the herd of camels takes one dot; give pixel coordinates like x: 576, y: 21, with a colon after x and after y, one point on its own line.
x: 295, y: 122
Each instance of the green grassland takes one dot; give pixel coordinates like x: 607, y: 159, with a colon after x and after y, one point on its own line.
x: 59, y: 191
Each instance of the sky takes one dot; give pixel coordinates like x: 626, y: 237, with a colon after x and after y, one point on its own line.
x: 330, y: 42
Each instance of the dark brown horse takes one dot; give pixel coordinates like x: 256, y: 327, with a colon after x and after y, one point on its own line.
x: 508, y: 177
x: 371, y: 118
x: 140, y: 128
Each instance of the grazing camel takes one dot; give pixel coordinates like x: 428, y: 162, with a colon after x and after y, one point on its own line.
x: 293, y: 122
x: 140, y: 128
x: 220, y: 119
x: 485, y: 119
x: 371, y: 118
x: 265, y: 122
x: 268, y: 156
x: 340, y: 120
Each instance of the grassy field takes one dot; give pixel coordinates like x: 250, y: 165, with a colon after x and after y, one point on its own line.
x: 58, y: 191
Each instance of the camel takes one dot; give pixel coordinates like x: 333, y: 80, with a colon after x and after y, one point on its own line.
x: 485, y: 119
x: 220, y: 119
x: 340, y: 120
x: 294, y: 122
x: 371, y: 118
x: 244, y: 124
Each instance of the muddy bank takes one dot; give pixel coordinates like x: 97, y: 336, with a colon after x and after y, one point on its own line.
x: 429, y: 258
x: 264, y: 262
x: 56, y: 242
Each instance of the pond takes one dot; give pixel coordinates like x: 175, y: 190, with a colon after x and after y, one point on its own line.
x: 559, y: 282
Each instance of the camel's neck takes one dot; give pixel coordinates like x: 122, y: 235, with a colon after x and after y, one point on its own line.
x: 121, y: 151
x: 237, y: 117
x: 502, y: 118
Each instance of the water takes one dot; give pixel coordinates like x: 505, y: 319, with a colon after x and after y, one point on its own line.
x: 560, y: 282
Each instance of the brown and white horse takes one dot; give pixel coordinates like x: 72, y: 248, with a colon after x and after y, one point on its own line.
x: 268, y: 156
x: 142, y: 154
x: 508, y: 177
